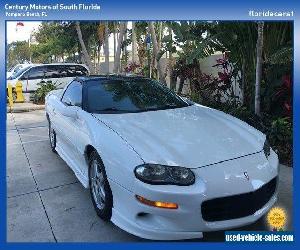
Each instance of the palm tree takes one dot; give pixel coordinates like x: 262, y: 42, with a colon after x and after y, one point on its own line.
x: 106, y: 48
x: 171, y: 61
x: 134, y: 44
x: 141, y: 33
x: 259, y: 50
x: 117, y: 63
x: 240, y: 40
x: 115, y: 39
x: 161, y: 74
x: 85, y: 53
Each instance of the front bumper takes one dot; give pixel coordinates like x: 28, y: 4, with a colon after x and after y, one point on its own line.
x: 186, y: 222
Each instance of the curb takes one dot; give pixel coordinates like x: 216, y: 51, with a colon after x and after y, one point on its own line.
x: 27, y: 108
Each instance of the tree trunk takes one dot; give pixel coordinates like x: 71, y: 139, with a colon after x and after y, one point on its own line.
x: 106, y: 48
x: 118, y: 51
x: 172, y: 77
x: 83, y: 47
x: 243, y: 82
x: 161, y: 74
x: 115, y: 44
x: 94, y: 59
x: 98, y: 57
x: 134, y: 44
x: 125, y: 54
x: 160, y: 31
x: 180, y: 87
x: 259, y: 50
x: 283, y: 34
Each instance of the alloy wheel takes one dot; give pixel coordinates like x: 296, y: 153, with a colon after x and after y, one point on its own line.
x: 97, y: 184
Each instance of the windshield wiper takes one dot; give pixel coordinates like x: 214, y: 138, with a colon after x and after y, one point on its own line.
x: 167, y: 106
x: 171, y: 106
x: 114, y: 109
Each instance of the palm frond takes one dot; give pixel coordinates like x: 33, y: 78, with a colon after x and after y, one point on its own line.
x: 281, y: 56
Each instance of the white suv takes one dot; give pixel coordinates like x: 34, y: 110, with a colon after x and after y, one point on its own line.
x: 58, y: 73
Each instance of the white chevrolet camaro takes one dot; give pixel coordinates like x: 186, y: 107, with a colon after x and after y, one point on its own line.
x: 159, y: 166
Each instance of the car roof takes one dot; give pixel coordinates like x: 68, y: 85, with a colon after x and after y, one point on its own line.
x: 60, y: 64
x: 109, y: 77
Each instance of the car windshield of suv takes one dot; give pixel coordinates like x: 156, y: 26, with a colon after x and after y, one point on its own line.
x: 17, y: 68
x: 129, y: 95
x: 18, y: 73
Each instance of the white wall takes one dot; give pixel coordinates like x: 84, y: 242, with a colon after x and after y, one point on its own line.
x: 206, y: 66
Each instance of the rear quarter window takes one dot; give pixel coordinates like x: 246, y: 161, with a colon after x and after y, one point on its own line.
x: 75, y: 70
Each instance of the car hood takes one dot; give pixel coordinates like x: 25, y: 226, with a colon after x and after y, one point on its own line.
x: 194, y: 136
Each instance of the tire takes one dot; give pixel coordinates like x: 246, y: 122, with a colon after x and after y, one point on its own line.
x: 100, y: 191
x: 52, y: 136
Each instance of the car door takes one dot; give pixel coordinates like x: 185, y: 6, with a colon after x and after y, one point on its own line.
x: 72, y: 132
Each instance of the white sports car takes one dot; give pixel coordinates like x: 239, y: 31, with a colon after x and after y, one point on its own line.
x: 159, y: 166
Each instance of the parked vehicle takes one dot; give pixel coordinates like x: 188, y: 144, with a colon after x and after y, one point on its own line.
x: 158, y: 166
x: 16, y: 68
x: 58, y: 73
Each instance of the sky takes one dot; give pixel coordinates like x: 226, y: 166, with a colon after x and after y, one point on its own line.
x: 22, y: 32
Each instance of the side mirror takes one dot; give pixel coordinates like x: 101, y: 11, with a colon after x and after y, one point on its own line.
x: 70, y: 111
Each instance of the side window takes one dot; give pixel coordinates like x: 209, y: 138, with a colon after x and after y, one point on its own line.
x: 62, y: 70
x: 73, y: 94
x: 76, y: 70
x: 70, y: 71
x: 81, y: 71
x: 35, y: 73
x: 52, y: 72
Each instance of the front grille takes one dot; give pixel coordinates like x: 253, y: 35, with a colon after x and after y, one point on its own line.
x: 237, y: 206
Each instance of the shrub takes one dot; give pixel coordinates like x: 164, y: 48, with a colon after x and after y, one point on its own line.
x: 280, y: 136
x: 277, y: 130
x: 41, y: 92
x: 132, y: 68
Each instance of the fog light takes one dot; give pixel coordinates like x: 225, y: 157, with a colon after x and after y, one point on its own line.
x: 160, y: 204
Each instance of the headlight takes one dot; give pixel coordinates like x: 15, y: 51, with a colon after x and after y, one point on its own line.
x: 163, y: 175
x: 267, y: 148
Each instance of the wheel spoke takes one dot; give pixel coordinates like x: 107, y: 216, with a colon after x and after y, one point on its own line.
x: 51, y: 137
x: 95, y: 169
x: 102, y: 193
x: 101, y: 178
x: 97, y: 184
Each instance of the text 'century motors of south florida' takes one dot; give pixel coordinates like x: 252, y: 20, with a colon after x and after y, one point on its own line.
x: 81, y: 6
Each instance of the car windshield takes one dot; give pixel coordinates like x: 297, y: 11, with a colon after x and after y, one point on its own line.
x: 129, y: 95
x: 17, y: 68
x: 16, y: 74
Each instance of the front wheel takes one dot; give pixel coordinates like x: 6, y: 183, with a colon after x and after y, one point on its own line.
x: 52, y: 137
x: 99, y: 187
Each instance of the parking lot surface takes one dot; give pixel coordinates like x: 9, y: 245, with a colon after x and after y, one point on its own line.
x: 46, y: 203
